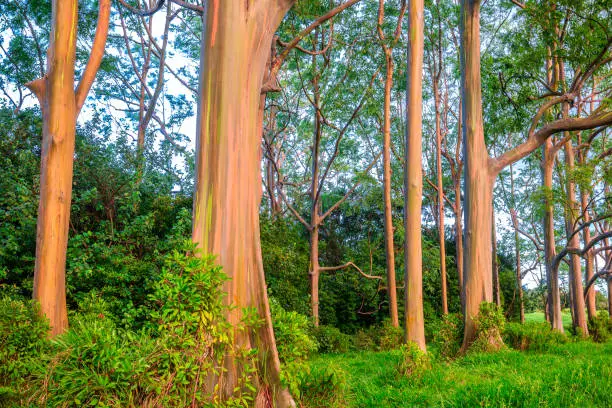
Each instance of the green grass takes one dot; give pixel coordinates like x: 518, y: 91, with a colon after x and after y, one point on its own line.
x: 566, y: 317
x: 572, y: 375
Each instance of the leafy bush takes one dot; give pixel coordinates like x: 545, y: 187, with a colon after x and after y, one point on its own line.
x: 23, y: 337
x: 323, y: 386
x: 332, y: 340
x: 381, y: 337
x: 168, y: 363
x: 532, y: 336
x: 449, y: 334
x: 600, y: 327
x: 294, y: 343
x: 490, y: 324
x: 414, y: 361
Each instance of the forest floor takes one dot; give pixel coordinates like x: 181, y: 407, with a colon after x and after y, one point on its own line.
x: 571, y: 375
x: 576, y: 374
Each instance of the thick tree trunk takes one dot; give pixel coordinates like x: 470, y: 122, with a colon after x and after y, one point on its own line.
x: 552, y: 276
x: 440, y: 188
x: 388, y: 205
x: 578, y: 303
x: 413, y: 179
x: 495, y: 266
x: 479, y: 178
x: 235, y: 46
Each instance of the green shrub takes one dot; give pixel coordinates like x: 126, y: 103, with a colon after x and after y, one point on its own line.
x: 23, y: 337
x: 449, y: 335
x: 388, y: 336
x: 600, y: 327
x: 381, y: 337
x: 364, y: 340
x: 414, y: 361
x: 332, y: 340
x: 324, y: 386
x: 490, y: 324
x: 532, y: 336
x: 168, y: 363
x: 294, y: 343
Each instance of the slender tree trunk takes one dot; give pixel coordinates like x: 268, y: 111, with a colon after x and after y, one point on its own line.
x: 440, y: 188
x: 552, y: 276
x: 479, y: 178
x: 495, y: 265
x: 413, y: 179
x: 459, y: 239
x: 60, y: 105
x: 578, y: 303
x: 610, y: 297
x: 388, y: 205
x: 314, y: 272
x: 517, y: 248
x: 589, y: 261
x: 228, y: 177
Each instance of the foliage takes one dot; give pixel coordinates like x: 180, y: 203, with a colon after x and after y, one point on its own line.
x: 600, y: 327
x: 323, y: 386
x: 295, y: 344
x: 414, y: 361
x: 23, y: 338
x: 532, y: 336
x: 449, y: 335
x: 332, y: 340
x: 490, y: 324
x: 381, y: 337
x: 167, y: 363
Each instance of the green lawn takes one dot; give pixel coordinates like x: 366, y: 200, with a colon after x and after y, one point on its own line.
x: 539, y: 317
x: 572, y: 375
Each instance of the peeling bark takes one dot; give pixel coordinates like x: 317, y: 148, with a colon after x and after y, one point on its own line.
x: 413, y: 180
x: 236, y: 41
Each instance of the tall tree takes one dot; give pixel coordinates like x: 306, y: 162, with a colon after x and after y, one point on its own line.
x: 60, y: 105
x: 414, y: 323
x: 228, y: 181
x: 481, y: 170
x: 387, y: 47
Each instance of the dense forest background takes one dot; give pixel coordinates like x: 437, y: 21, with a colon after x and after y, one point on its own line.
x: 333, y: 158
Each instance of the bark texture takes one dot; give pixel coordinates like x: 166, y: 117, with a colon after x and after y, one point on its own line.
x: 235, y: 48
x: 413, y: 179
x: 60, y: 105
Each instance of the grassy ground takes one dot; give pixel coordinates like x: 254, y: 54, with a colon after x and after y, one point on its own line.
x: 539, y: 317
x: 572, y: 375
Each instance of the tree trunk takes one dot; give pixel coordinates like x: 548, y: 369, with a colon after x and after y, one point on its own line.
x: 388, y: 205
x: 517, y: 255
x: 459, y: 240
x: 314, y: 273
x: 589, y: 261
x: 60, y: 105
x: 495, y: 265
x: 552, y: 276
x: 440, y: 188
x: 413, y: 179
x: 610, y: 297
x: 236, y: 41
x: 478, y: 178
x: 578, y: 303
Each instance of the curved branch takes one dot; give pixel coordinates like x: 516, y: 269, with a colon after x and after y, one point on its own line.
x: 144, y: 13
x: 97, y: 52
x: 346, y: 265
